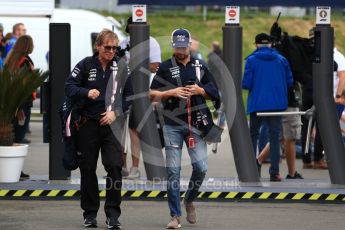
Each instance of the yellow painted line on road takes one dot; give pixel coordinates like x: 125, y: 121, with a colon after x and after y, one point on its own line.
x: 264, y: 195
x: 315, y: 196
x: 281, y: 196
x: 153, y: 194
x: 19, y: 193
x: 137, y: 193
x: 102, y: 193
x: 214, y: 195
x: 332, y: 196
x: 70, y: 193
x: 201, y: 194
x: 36, y: 193
x: 53, y: 193
x: 298, y: 196
x: 248, y: 195
x: 231, y: 195
x: 3, y: 192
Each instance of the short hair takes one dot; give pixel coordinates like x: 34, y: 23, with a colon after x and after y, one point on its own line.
x: 105, y: 34
x: 15, y: 26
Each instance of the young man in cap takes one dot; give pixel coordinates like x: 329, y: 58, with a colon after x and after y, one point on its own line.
x: 267, y: 77
x: 175, y: 83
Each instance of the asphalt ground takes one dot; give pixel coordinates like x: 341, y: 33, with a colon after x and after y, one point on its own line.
x: 56, y: 215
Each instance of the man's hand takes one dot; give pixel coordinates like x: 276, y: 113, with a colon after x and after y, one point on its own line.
x: 20, y: 115
x: 108, y: 118
x: 93, y: 94
x: 195, y: 90
x: 337, y: 100
x: 180, y: 92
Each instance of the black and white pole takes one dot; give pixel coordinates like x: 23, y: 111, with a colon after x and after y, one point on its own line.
x: 327, y: 118
x: 142, y: 108
x: 239, y: 133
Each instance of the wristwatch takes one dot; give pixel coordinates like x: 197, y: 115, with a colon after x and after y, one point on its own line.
x: 337, y: 96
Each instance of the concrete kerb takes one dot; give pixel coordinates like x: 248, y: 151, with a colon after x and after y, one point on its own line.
x: 214, y: 189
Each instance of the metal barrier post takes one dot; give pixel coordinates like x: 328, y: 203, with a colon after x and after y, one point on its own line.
x: 143, y: 114
x: 327, y: 118
x: 239, y: 133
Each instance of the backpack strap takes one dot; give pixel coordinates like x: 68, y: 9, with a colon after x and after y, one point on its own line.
x: 23, y: 60
x: 178, y: 79
x: 197, y: 70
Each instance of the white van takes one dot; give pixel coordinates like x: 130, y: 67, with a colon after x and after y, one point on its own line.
x: 84, y: 25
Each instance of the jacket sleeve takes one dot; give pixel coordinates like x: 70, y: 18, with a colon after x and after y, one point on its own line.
x: 121, y: 102
x: 247, y: 81
x: 158, y: 80
x: 73, y: 85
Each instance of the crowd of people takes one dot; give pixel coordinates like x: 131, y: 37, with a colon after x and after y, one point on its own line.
x: 277, y: 136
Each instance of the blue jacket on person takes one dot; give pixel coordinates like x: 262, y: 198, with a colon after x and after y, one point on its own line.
x: 267, y: 77
x: 9, y: 45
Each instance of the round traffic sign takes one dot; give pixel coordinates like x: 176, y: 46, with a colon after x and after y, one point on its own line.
x: 232, y: 13
x: 139, y: 12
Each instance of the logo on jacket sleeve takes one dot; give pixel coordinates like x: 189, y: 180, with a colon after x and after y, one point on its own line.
x: 75, y: 72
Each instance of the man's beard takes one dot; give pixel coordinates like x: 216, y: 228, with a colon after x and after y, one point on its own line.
x: 181, y: 57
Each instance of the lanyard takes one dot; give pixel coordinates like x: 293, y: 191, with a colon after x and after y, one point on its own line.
x: 191, y: 140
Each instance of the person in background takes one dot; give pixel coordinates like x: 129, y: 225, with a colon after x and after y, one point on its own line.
x: 18, y: 30
x: 194, y: 49
x: 338, y: 87
x: 266, y: 69
x: 16, y: 59
x: 212, y: 59
x: 291, y: 131
x: 154, y: 59
x: 2, y: 45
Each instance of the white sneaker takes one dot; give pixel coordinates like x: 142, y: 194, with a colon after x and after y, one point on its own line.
x: 134, y: 173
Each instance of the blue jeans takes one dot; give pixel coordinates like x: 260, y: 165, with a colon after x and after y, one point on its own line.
x: 340, y: 109
x: 274, y: 126
x: 174, y: 137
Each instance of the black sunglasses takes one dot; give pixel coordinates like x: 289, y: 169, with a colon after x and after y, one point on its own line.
x: 108, y: 48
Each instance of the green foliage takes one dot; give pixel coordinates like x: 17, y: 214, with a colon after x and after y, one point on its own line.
x: 15, y: 88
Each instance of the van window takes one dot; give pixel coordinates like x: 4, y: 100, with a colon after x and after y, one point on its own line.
x: 93, y: 41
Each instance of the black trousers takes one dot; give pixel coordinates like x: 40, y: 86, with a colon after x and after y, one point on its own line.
x: 91, y: 139
x: 20, y: 130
